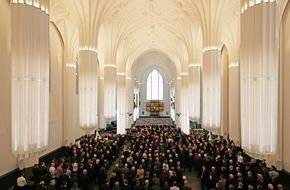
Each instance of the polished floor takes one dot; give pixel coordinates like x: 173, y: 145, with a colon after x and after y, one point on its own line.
x: 193, y: 180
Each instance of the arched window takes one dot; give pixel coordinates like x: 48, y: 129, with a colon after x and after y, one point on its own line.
x: 154, y: 86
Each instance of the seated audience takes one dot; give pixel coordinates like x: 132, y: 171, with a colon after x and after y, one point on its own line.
x: 154, y: 157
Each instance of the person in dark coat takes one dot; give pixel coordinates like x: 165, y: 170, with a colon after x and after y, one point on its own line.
x: 105, y: 185
x: 126, y: 185
x: 204, y: 178
x: 36, y: 174
x: 84, y: 180
x: 52, y: 185
x: 113, y: 180
x: 212, y: 183
x: 250, y: 180
x: 186, y: 186
x: 102, y: 176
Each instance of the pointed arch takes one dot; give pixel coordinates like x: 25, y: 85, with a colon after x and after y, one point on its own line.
x: 154, y: 86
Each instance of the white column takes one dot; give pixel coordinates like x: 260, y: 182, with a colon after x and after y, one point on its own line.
x: 121, y: 103
x: 129, y: 101
x: 88, y: 89
x: 259, y: 78
x: 101, y: 118
x: 234, y: 128
x: 70, y: 103
x: 172, y: 100
x: 133, y: 96
x: 194, y: 91
x: 224, y: 129
x: 136, y: 91
x: 110, y: 90
x: 178, y: 102
x: 184, y: 103
x: 211, y: 81
x: 30, y: 78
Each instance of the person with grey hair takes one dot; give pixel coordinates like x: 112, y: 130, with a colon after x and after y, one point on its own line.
x: 204, y: 178
x: 174, y: 186
x: 275, y: 178
x: 117, y: 186
x: 75, y: 186
x: 240, y: 186
x: 105, y: 185
x: 146, y: 185
x: 21, y: 181
x: 126, y: 186
x: 280, y: 187
x: 222, y: 183
x: 250, y: 187
x: 186, y: 186
x: 270, y: 186
x: 52, y: 185
x: 249, y: 180
x: 240, y: 177
x: 113, y: 179
x: 84, y: 180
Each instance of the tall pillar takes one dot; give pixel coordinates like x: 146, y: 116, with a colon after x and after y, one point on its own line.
x: 136, y: 93
x: 211, y: 81
x: 224, y: 129
x: 30, y: 78
x: 101, y: 117
x: 88, y: 89
x: 234, y: 126
x: 194, y: 91
x: 184, y: 103
x: 259, y: 78
x: 69, y: 99
x: 172, y: 100
x: 129, y: 101
x: 121, y: 103
x: 178, y: 102
x: 110, y: 90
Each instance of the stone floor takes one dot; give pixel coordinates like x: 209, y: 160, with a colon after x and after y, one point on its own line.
x: 193, y: 180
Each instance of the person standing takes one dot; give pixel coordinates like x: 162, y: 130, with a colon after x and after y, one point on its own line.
x: 21, y: 181
x: 204, y: 178
x: 186, y: 186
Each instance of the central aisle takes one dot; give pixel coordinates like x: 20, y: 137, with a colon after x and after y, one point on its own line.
x: 194, y: 181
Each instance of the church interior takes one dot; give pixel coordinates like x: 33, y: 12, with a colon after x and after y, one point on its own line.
x: 80, y: 67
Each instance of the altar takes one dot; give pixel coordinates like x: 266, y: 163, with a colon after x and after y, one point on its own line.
x: 154, y: 107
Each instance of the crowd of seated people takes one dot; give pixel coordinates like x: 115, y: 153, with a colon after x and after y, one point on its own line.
x: 221, y: 165
x: 85, y: 165
x: 156, y: 158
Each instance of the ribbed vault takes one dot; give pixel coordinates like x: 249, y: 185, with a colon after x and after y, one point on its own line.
x: 122, y: 31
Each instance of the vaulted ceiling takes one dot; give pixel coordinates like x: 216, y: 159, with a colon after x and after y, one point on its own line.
x: 125, y: 31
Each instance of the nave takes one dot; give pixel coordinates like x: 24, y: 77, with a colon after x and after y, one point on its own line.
x: 153, y: 158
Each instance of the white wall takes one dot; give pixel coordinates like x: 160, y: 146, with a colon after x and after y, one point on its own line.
x: 8, y: 161
x: 234, y: 124
x: 72, y: 128
x: 55, y: 95
x: 286, y: 89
